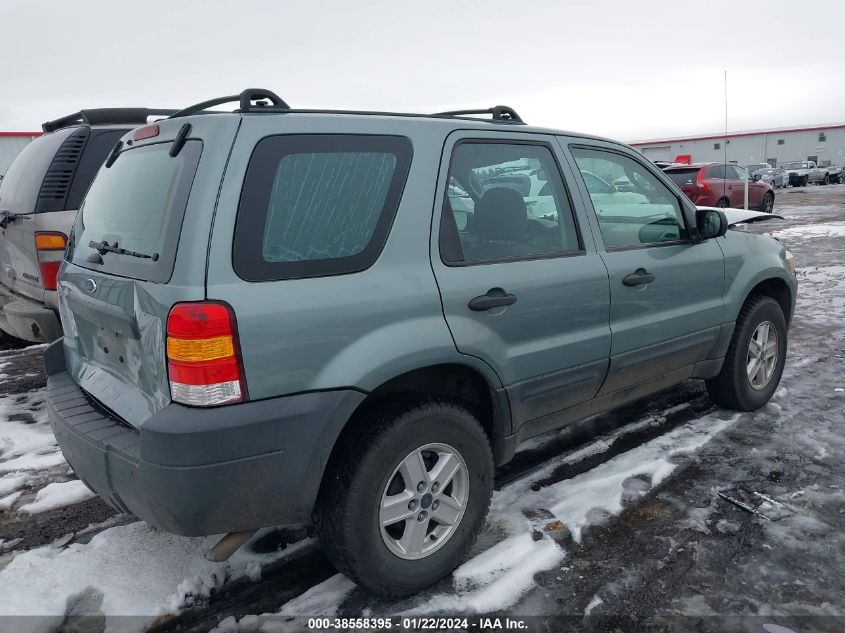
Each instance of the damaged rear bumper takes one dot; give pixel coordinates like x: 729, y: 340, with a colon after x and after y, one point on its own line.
x: 201, y: 471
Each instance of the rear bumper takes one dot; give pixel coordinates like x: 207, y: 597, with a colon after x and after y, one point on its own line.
x: 201, y: 471
x: 27, y: 319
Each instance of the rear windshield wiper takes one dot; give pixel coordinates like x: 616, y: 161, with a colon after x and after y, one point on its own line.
x: 7, y: 217
x: 104, y: 247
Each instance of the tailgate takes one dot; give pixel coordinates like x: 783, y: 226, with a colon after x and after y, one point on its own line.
x: 139, y: 246
x: 687, y: 181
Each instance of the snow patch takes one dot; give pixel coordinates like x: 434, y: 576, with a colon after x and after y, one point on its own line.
x: 8, y: 501
x: 140, y: 571
x: 498, y: 577
x: 26, y: 442
x: 595, y: 602
x: 600, y: 491
x: 56, y: 495
x: 811, y: 230
x: 11, y: 482
x: 322, y: 599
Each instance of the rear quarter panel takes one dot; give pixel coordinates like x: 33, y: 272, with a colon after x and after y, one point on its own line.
x: 354, y: 330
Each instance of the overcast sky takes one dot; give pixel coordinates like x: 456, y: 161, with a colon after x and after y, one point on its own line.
x: 625, y: 69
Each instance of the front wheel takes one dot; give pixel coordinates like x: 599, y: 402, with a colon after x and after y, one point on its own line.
x: 408, y: 497
x: 756, y: 356
x: 768, y: 202
x: 826, y: 180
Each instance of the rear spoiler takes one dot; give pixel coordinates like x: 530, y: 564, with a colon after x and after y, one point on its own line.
x: 105, y: 116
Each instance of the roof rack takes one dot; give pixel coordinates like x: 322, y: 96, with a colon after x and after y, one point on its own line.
x: 267, y: 101
x: 499, y: 112
x: 105, y: 116
x: 245, y: 101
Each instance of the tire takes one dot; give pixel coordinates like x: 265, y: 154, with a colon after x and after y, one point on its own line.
x: 732, y: 388
x: 826, y: 180
x: 722, y: 203
x: 347, y: 514
x: 768, y: 202
x: 804, y: 181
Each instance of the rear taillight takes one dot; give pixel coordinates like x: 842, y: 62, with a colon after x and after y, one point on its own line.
x: 203, y: 355
x: 704, y: 186
x: 50, y: 248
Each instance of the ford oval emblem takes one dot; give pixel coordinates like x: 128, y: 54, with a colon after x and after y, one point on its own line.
x: 89, y: 285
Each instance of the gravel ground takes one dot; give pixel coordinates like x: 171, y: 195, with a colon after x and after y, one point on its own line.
x: 655, y: 547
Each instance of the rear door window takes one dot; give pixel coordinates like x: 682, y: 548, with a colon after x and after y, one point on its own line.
x: 315, y: 205
x: 520, y: 208
x: 138, y: 205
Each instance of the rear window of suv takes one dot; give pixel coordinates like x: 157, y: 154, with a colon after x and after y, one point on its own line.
x: 315, y: 205
x: 683, y: 176
x: 138, y: 205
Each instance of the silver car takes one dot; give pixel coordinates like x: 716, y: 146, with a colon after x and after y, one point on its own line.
x: 774, y: 176
x: 39, y: 196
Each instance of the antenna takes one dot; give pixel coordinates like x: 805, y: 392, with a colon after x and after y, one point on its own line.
x: 725, y: 143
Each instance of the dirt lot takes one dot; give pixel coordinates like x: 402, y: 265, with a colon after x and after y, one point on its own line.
x: 613, y: 524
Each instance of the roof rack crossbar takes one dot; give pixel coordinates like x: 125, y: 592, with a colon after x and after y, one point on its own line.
x: 105, y: 116
x: 244, y: 100
x: 499, y: 113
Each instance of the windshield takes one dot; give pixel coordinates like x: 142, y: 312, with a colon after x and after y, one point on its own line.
x: 136, y: 205
x: 797, y: 166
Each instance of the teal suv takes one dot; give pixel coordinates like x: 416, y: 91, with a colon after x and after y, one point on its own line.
x: 347, y: 320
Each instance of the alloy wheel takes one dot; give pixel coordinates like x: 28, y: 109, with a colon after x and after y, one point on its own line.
x: 762, y: 357
x: 424, y: 501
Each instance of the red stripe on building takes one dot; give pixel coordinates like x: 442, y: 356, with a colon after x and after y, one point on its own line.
x: 20, y: 134
x: 738, y: 134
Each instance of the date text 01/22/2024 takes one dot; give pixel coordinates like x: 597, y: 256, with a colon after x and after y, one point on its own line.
x: 417, y: 624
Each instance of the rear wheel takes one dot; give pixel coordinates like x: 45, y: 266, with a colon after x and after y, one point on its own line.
x: 754, y: 363
x: 408, y: 497
x: 722, y: 203
x: 804, y: 181
x: 826, y: 180
x: 768, y: 202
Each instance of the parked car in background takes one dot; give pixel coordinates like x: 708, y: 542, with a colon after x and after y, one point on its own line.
x: 39, y: 197
x: 718, y: 185
x: 834, y: 172
x: 774, y: 176
x: 270, y: 321
x: 802, y: 172
x: 756, y: 166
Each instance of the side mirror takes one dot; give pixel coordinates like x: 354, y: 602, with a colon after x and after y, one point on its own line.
x: 710, y: 223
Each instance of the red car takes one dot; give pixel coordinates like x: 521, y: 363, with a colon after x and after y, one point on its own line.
x: 719, y: 185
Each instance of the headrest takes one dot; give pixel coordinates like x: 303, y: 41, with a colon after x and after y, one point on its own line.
x: 501, y: 216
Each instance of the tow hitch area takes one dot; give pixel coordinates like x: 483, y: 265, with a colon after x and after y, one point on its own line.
x: 228, y: 545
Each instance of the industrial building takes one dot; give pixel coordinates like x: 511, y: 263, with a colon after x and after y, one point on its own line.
x: 11, y: 144
x: 824, y: 144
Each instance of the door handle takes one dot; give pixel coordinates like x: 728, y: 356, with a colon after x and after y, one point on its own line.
x: 638, y: 277
x: 490, y: 301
